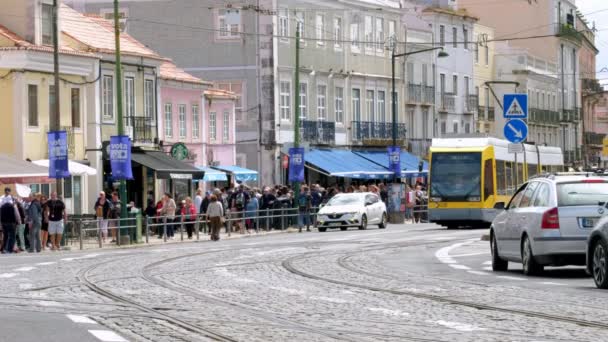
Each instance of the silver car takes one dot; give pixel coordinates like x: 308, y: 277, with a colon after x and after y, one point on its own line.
x: 547, y: 221
x: 352, y: 210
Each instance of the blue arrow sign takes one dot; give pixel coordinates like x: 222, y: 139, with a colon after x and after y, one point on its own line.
x: 516, y: 131
x: 515, y: 106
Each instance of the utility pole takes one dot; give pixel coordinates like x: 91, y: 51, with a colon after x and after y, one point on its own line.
x: 119, y: 114
x: 296, y: 125
x: 55, y: 118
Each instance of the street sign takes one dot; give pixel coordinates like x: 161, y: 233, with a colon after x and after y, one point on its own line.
x: 515, y: 106
x: 515, y: 148
x: 516, y: 131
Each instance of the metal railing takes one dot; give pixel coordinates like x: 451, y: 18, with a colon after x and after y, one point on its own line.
x: 428, y: 94
x: 414, y: 93
x: 319, y: 132
x: 471, y: 103
x: 142, y: 129
x: 448, y: 102
x: 363, y: 130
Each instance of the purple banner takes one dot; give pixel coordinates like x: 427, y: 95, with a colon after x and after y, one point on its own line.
x: 120, y: 157
x: 58, y: 154
x: 394, y: 160
x: 296, y: 164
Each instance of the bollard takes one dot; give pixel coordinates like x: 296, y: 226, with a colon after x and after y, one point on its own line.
x: 282, y: 219
x: 147, y: 229
x: 181, y: 230
x: 257, y: 222
x: 99, y: 235
x: 79, y: 223
x: 196, y: 227
x: 117, y: 231
x: 267, y: 219
x: 165, y: 229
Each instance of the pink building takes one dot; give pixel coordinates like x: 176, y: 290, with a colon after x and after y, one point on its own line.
x: 220, y: 127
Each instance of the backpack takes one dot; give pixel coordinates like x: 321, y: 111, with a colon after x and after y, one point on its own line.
x: 7, y: 211
x: 240, y: 200
x: 303, y: 201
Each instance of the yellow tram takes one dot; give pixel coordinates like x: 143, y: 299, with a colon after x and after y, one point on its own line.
x: 467, y: 176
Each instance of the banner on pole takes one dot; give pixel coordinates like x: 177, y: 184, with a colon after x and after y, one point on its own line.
x: 58, y: 154
x: 394, y: 160
x: 296, y: 164
x: 120, y: 157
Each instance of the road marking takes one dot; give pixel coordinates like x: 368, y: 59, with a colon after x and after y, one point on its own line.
x: 487, y: 263
x: 552, y: 283
x: 81, y: 319
x: 288, y: 290
x: 331, y: 300
x: 466, y: 255
x: 46, y: 263
x: 68, y: 259
x: 479, y: 273
x: 488, y: 268
x: 512, y: 278
x: 459, y: 326
x: 389, y: 312
x: 459, y: 267
x: 107, y: 336
x: 443, y: 254
x: 7, y: 275
x: 24, y: 269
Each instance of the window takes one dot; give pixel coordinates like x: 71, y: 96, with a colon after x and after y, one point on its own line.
x: 226, y: 126
x: 455, y: 85
x: 52, y: 99
x: 411, y: 123
x: 303, y: 101
x: 320, y: 29
x: 107, y: 91
x: 47, y: 24
x: 356, y: 99
x: 526, y: 199
x: 441, y: 35
x: 339, y: 105
x: 321, y: 102
x: 369, y: 102
x: 467, y: 128
x: 425, y: 75
x: 196, y: 122
x: 228, y: 21
x: 285, y: 96
x: 381, y: 106
x: 354, y: 36
x: 487, y: 54
x: 369, y: 32
x: 455, y: 127
x: 32, y: 105
x: 425, y: 122
x: 465, y: 33
x: 168, y: 120
x: 410, y: 72
x: 212, y: 126
x: 338, y: 32
x: 543, y: 196
x: 488, y: 179
x: 501, y: 182
x: 392, y: 29
x: 182, y: 120
x: 442, y: 85
x: 149, y: 99
x: 67, y: 187
x: 476, y: 53
x: 130, y: 98
x: 75, y: 95
x: 284, y: 24
x: 300, y: 22
x: 454, y: 37
x: 466, y: 87
x: 486, y: 94
x: 379, y: 33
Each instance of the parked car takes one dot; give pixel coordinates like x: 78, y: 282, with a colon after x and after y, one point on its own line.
x: 352, y: 210
x: 547, y: 221
x: 597, y: 253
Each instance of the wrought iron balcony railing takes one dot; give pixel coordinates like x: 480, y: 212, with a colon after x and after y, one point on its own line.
x: 141, y: 129
x: 363, y: 130
x: 319, y: 132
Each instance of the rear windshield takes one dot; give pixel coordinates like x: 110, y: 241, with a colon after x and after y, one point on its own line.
x: 579, y: 194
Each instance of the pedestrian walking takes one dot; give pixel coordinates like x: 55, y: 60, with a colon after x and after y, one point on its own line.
x: 251, y: 211
x: 20, y: 226
x: 9, y: 219
x: 34, y: 215
x: 215, y: 214
x: 168, y: 210
x: 56, y: 217
x: 198, y: 200
x: 239, y: 202
x: 44, y: 227
x: 304, y: 205
x: 114, y: 216
x: 102, y: 211
x: 188, y: 216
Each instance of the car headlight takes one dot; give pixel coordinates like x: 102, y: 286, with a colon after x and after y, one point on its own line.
x: 435, y: 199
x: 474, y: 199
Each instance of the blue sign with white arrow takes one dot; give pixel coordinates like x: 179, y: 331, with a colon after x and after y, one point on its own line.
x: 516, y: 131
x: 515, y: 106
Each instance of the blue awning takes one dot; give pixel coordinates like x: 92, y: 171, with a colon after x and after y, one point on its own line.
x: 409, y: 162
x: 343, y: 163
x: 240, y: 174
x: 212, y: 175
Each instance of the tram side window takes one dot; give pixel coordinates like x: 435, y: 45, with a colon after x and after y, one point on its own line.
x: 488, y: 181
x: 544, y: 168
x: 520, y: 173
x: 510, y: 177
x: 501, y: 177
x: 532, y: 170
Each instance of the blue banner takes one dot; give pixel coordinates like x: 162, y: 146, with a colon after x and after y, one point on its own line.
x: 120, y: 157
x: 296, y: 164
x: 394, y: 160
x: 58, y: 154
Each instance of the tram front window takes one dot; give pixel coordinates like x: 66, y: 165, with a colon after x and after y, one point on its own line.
x: 456, y: 177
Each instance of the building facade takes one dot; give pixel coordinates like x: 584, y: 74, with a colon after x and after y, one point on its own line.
x: 219, y: 127
x: 484, y: 75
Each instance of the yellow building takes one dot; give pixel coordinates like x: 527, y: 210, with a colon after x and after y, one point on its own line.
x: 484, y: 72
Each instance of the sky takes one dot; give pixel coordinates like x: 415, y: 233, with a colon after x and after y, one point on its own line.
x: 601, y: 37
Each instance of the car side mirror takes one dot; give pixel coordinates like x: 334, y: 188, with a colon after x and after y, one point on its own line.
x: 368, y: 203
x: 499, y: 205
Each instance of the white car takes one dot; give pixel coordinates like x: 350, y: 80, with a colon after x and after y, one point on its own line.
x: 352, y: 210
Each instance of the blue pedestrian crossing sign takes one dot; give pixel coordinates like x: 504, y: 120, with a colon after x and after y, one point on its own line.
x: 516, y: 131
x: 515, y: 106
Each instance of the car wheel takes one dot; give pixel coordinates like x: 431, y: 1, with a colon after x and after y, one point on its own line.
x: 363, y: 225
x: 384, y: 221
x: 530, y: 266
x: 343, y: 228
x: 322, y: 230
x: 599, y: 264
x: 498, y: 264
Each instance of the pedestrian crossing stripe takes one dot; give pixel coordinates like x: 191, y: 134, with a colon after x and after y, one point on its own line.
x: 515, y: 109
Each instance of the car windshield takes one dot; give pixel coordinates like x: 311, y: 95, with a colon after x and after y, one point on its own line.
x: 345, y: 200
x: 581, y: 194
x: 456, y: 176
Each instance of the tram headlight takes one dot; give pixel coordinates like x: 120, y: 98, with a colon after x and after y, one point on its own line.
x: 474, y: 199
x: 435, y: 199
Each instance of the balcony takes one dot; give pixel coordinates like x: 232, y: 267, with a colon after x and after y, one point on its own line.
x: 567, y: 31
x: 543, y: 116
x: 592, y: 138
x: 428, y: 95
x: 471, y: 103
x: 448, y: 102
x: 414, y: 93
x: 420, y: 147
x: 319, y: 132
x: 365, y: 130
x: 141, y: 129
x: 590, y: 85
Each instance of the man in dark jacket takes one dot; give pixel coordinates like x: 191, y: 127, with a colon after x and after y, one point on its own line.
x: 9, y: 219
x: 34, y: 214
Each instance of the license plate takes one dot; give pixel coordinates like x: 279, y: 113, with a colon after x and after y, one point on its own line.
x: 335, y: 224
x: 589, y: 222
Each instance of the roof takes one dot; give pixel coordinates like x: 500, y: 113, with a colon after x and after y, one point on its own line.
x: 97, y: 34
x: 170, y: 71
x: 458, y: 13
x: 22, y: 44
x: 15, y: 168
x: 215, y: 93
x: 344, y: 163
x: 241, y: 174
x: 165, y: 166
